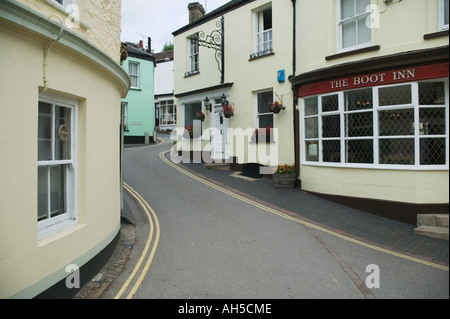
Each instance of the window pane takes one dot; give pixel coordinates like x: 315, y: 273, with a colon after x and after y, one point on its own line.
x: 311, y: 106
x: 347, y: 8
x: 190, y: 113
x: 42, y: 193
x: 331, y: 126
x: 57, y: 190
x: 63, y: 132
x: 265, y: 121
x: 431, y: 93
x: 330, y: 103
x: 265, y: 100
x: 397, y: 151
x: 359, y: 124
x: 395, y: 95
x: 432, y: 121
x: 358, y: 100
x: 432, y: 151
x: 364, y: 33
x: 349, y: 34
x: 396, y: 122
x: 359, y: 151
x: 331, y: 151
x: 312, y: 151
x: 312, y: 127
x: 361, y: 6
x: 45, y: 132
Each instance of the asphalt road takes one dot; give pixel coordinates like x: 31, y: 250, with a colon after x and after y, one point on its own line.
x: 194, y: 241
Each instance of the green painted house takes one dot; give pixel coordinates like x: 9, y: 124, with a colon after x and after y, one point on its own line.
x: 139, y: 105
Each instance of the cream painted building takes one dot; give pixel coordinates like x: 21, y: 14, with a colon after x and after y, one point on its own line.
x: 250, y: 75
x: 373, y: 95
x: 366, y: 93
x: 60, y: 85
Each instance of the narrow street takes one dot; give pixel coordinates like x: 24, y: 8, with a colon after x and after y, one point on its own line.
x: 195, y: 240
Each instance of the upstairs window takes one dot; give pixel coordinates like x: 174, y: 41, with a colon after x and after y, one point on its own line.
x: 193, y: 62
x: 133, y: 71
x: 263, y: 27
x: 353, y: 30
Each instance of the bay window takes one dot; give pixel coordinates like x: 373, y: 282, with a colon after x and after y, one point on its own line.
x: 388, y: 126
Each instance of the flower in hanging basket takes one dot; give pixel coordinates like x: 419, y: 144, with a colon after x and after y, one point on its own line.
x: 228, y: 111
x: 200, y: 116
x: 276, y: 107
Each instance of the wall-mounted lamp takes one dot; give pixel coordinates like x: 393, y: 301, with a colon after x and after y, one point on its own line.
x: 207, y: 103
x: 224, y: 100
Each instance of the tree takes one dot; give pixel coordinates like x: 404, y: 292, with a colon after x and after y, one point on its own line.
x: 168, y: 47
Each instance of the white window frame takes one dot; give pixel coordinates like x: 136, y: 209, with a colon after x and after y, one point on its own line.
x: 375, y: 137
x: 165, y: 115
x: 442, y: 25
x: 193, y: 55
x: 259, y: 23
x: 134, y: 75
x: 340, y: 24
x: 52, y: 225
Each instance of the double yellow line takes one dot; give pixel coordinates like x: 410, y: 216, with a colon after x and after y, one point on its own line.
x: 297, y: 220
x: 153, y: 237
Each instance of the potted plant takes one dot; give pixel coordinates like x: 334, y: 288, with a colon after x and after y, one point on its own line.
x: 263, y: 135
x: 200, y: 116
x: 285, y: 176
x: 228, y: 111
x: 276, y: 107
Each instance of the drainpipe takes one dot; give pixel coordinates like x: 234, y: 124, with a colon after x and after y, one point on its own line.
x: 294, y: 98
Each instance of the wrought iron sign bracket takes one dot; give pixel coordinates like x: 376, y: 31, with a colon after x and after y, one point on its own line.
x: 216, y: 41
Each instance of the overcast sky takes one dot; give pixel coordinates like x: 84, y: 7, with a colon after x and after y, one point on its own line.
x: 157, y: 19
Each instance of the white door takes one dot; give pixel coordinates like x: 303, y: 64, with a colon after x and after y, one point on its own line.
x: 219, y: 135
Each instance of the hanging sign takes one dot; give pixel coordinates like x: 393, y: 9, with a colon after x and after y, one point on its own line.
x: 373, y: 79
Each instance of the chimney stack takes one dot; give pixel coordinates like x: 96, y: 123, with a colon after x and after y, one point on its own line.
x: 196, y: 11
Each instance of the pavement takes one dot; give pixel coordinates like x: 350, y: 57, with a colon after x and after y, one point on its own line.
x: 368, y: 228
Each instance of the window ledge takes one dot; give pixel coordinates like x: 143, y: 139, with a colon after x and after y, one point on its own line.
x: 435, y: 35
x: 353, y: 52
x: 188, y: 74
x: 256, y: 56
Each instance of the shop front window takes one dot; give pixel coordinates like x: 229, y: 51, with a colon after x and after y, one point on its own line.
x: 387, y: 126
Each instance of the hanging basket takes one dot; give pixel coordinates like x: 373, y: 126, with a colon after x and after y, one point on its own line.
x: 228, y: 115
x: 201, y: 116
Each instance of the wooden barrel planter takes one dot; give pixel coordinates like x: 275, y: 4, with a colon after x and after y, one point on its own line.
x: 284, y: 180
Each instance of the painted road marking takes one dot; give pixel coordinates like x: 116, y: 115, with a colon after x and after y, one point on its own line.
x: 297, y: 220
x: 154, y: 228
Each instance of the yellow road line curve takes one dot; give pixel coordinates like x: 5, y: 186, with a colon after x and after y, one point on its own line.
x: 297, y: 220
x: 154, y: 227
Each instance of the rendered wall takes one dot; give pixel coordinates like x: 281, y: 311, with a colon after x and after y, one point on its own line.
x: 29, y: 265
